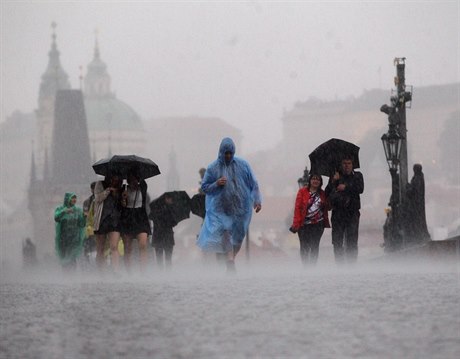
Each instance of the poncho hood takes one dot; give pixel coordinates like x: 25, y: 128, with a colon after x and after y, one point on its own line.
x: 67, y: 197
x: 227, y: 145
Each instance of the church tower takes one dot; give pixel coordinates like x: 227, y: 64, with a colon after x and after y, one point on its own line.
x: 97, y: 80
x: 62, y: 160
x: 70, y: 152
x: 70, y: 169
x: 53, y: 79
x: 113, y: 126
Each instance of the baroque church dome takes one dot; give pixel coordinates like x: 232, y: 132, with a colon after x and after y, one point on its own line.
x: 109, y: 112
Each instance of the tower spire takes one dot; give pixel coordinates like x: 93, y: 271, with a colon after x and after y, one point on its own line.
x: 53, y: 36
x: 96, y: 45
x: 97, y: 80
x: 54, y: 64
x: 54, y: 77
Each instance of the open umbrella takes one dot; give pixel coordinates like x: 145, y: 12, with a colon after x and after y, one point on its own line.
x: 123, y: 164
x: 197, y: 205
x: 327, y: 157
x: 178, y: 209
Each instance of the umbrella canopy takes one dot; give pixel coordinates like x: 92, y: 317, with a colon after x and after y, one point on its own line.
x: 327, y: 157
x: 123, y: 164
x: 197, y: 205
x: 179, y: 208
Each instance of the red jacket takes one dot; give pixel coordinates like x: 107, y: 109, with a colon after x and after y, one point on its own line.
x: 300, y: 209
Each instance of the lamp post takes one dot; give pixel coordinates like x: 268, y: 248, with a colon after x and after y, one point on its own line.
x: 392, y: 146
x: 403, y: 97
x: 395, y: 147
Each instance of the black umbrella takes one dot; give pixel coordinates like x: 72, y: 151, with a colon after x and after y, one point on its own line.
x: 197, y: 205
x: 327, y: 157
x: 179, y: 208
x: 123, y: 164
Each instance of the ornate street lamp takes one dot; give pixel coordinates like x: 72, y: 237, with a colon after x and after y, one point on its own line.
x: 392, y: 147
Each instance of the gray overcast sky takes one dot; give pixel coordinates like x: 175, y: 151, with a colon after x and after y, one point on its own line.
x: 241, y: 61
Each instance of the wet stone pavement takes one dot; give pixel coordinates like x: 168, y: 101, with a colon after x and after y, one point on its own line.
x: 264, y: 311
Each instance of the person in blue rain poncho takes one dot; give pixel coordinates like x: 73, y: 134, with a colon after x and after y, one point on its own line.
x: 231, y: 192
x: 70, y: 231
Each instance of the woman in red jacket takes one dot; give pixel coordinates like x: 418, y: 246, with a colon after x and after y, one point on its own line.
x: 310, y: 218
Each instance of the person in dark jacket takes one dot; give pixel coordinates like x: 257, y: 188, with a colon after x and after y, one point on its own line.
x: 310, y: 218
x: 343, y: 192
x: 163, y: 234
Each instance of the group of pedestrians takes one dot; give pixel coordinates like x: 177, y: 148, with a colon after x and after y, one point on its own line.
x: 114, y: 212
x: 117, y: 212
x: 342, y: 196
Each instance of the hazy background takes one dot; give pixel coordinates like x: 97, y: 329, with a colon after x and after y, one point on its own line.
x: 243, y: 62
x: 257, y: 67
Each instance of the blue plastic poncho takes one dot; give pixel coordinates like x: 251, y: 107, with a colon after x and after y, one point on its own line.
x: 70, y: 230
x: 228, y: 207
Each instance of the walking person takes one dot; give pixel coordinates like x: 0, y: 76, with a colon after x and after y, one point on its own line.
x: 231, y: 192
x: 70, y: 231
x: 163, y: 233
x: 343, y: 193
x: 310, y: 218
x: 134, y: 220
x: 107, y: 214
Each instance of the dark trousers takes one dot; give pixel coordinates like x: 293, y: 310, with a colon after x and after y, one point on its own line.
x: 345, y: 228
x: 309, y: 237
x: 67, y: 251
x: 167, y: 251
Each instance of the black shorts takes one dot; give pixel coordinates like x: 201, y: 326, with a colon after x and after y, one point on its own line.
x: 134, y: 221
x: 109, y: 224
